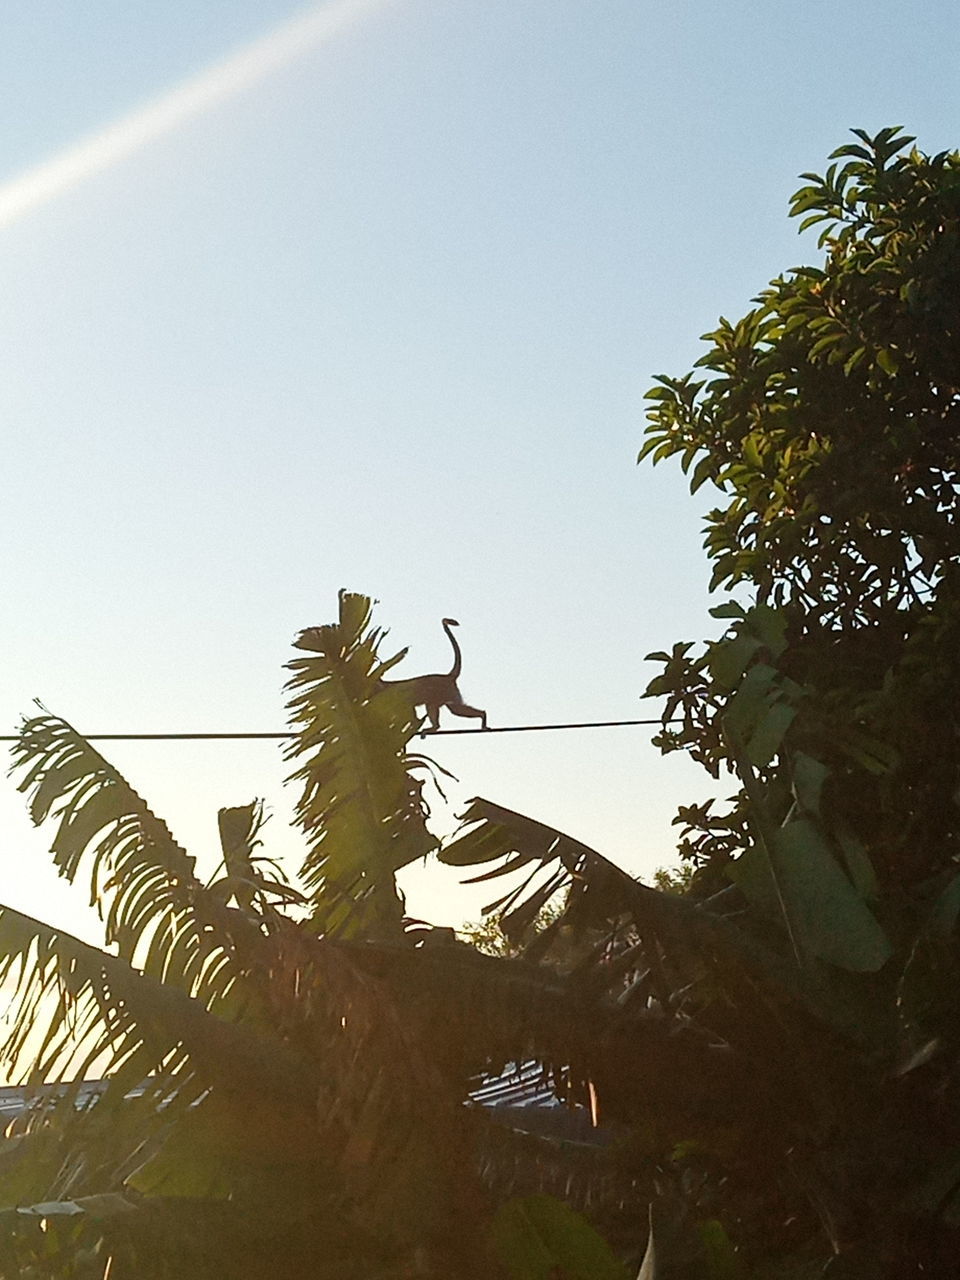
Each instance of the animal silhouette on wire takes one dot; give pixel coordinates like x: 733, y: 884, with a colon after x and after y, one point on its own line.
x: 438, y: 690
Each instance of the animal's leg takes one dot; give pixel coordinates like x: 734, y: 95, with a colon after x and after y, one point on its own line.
x: 460, y: 708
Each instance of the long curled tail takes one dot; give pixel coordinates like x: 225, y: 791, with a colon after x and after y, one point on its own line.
x: 447, y: 623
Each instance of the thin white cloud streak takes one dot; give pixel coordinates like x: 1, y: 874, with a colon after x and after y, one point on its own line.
x: 208, y: 88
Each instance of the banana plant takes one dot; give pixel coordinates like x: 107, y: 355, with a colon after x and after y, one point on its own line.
x: 285, y: 1060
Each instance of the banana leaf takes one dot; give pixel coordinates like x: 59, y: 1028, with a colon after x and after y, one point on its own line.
x: 361, y: 805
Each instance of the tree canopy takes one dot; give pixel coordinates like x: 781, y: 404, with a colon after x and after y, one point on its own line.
x: 828, y: 419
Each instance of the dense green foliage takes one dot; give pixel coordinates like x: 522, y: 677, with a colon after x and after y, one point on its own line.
x: 829, y: 420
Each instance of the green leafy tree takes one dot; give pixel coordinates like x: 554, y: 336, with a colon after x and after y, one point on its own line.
x: 828, y: 418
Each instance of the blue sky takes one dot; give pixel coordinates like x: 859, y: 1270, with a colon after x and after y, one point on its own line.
x: 384, y: 320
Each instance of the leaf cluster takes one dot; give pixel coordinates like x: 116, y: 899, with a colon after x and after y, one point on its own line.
x: 828, y: 416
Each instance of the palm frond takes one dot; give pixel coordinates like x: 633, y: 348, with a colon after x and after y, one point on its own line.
x: 690, y: 958
x: 361, y: 806
x: 131, y: 852
x: 80, y: 1011
x: 478, y: 1012
x: 621, y: 1063
x: 76, y: 1008
x: 599, y: 894
x: 143, y: 884
x: 251, y: 879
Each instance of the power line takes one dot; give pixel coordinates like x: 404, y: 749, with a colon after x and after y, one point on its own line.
x: 539, y: 728
x: 426, y: 733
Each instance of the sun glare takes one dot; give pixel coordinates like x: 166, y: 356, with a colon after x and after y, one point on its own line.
x: 215, y: 84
